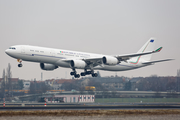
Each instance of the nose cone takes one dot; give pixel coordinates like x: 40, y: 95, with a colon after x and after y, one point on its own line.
x: 7, y: 51
x: 11, y: 53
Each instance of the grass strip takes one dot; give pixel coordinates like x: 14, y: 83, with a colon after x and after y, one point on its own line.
x: 87, y: 112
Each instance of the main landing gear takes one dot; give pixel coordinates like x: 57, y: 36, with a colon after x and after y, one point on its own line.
x: 94, y: 75
x: 84, y: 73
x: 88, y: 73
x: 20, y: 63
x: 75, y: 74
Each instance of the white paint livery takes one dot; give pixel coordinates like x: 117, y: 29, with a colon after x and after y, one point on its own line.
x: 50, y: 59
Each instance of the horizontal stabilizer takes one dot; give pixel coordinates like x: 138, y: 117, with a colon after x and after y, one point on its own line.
x: 152, y: 62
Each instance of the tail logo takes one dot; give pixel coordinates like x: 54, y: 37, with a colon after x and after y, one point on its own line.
x: 152, y: 41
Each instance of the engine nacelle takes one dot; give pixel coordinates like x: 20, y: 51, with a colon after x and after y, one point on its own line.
x: 78, y: 64
x: 45, y: 66
x: 109, y: 60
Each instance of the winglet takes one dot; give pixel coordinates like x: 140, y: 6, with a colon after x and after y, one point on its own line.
x: 159, y: 49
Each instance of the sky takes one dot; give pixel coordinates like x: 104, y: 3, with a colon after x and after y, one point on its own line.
x: 111, y: 27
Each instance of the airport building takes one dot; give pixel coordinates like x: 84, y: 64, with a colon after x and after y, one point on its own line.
x: 70, y: 99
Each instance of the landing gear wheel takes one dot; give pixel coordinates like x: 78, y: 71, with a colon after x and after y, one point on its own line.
x: 88, y: 72
x: 20, y: 65
x: 83, y: 74
x: 76, y: 75
x: 94, y: 75
x: 72, y: 73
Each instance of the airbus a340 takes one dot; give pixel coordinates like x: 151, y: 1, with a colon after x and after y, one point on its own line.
x: 50, y: 59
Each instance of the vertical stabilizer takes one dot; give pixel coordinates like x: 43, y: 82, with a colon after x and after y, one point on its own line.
x: 147, y: 47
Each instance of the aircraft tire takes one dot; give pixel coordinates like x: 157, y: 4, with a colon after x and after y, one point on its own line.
x: 76, y: 75
x: 20, y: 65
x: 83, y: 74
x: 94, y: 75
x: 72, y: 73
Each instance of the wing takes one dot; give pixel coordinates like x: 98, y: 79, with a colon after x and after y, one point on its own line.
x: 152, y: 62
x: 98, y: 61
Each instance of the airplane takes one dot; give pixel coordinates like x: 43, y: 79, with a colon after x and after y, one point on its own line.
x: 50, y: 59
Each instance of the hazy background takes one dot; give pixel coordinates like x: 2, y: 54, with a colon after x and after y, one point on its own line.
x: 97, y: 26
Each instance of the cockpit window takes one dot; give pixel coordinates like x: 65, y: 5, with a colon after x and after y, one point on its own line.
x: 12, y: 48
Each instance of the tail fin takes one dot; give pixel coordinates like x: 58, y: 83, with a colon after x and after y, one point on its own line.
x: 147, y: 47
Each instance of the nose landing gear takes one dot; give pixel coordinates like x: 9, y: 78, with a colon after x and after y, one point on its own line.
x: 20, y: 63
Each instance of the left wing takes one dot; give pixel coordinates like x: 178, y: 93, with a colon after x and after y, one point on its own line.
x: 98, y: 61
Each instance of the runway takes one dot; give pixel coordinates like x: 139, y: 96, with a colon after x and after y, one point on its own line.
x: 89, y: 107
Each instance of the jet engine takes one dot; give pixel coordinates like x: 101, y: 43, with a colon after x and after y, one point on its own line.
x: 46, y: 66
x: 109, y: 60
x: 78, y: 64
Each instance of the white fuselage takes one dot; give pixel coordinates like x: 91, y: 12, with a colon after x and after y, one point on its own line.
x: 57, y: 57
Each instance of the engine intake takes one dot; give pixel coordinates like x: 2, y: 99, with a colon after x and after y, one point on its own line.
x: 109, y: 60
x: 78, y: 64
x: 46, y: 66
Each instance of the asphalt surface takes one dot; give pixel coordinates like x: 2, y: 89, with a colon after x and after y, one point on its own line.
x: 89, y: 107
x: 95, y: 104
